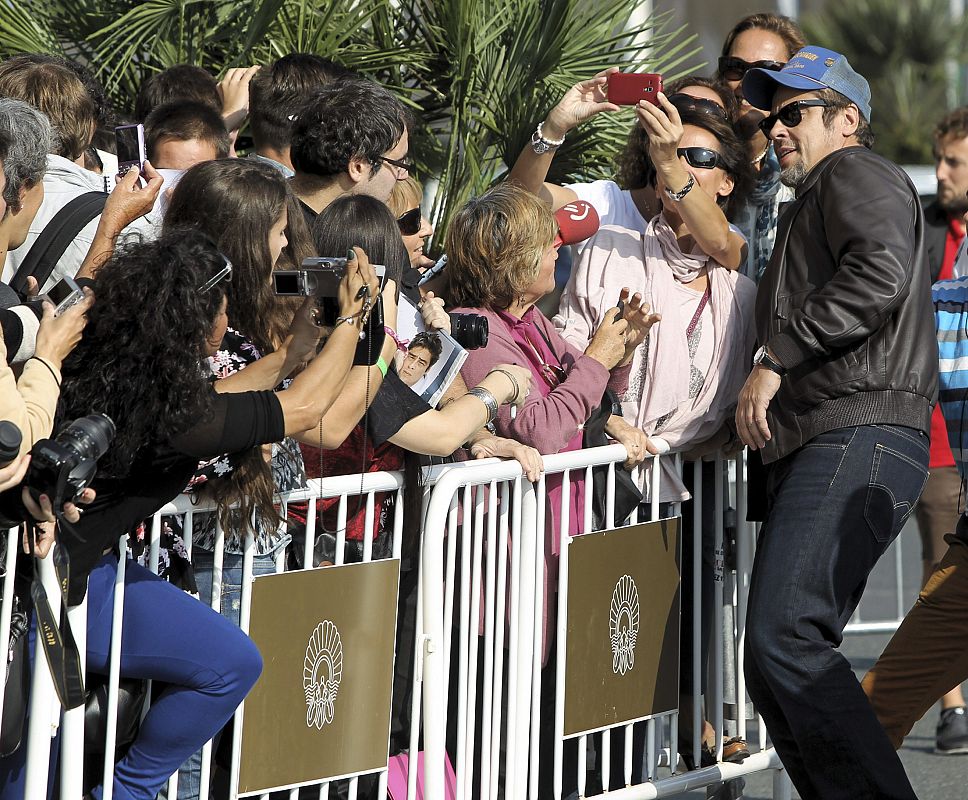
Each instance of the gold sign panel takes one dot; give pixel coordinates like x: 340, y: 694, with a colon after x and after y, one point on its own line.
x: 322, y: 706
x: 622, y: 638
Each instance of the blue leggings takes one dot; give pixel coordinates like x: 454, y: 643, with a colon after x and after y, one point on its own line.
x: 168, y: 636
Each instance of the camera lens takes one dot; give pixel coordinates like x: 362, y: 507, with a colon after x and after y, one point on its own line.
x: 90, y: 436
x: 469, y: 330
x: 10, y: 441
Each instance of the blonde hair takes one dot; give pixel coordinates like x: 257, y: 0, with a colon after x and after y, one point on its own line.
x: 494, y: 247
x: 406, y: 194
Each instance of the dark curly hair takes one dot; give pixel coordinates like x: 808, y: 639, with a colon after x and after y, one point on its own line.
x: 139, y: 360
x: 345, y: 120
x: 634, y: 169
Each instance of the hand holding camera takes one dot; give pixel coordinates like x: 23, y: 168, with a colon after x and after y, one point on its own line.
x: 581, y: 102
x: 59, y: 334
x: 130, y: 200
x: 664, y: 126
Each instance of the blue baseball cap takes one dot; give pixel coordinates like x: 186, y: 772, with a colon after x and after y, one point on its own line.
x: 812, y: 68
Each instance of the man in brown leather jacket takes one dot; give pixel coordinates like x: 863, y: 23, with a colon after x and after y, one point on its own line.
x: 839, y: 402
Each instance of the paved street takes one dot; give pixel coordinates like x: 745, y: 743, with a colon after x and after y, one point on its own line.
x: 934, y: 777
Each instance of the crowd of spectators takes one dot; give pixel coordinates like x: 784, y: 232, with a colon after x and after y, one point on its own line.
x: 224, y: 388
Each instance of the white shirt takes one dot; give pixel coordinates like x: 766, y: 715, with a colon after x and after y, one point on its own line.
x: 63, y: 181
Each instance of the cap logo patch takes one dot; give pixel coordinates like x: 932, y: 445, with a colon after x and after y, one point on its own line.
x: 807, y: 55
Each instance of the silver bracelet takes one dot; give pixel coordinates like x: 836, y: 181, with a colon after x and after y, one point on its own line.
x: 542, y: 145
x: 489, y: 401
x: 514, y: 383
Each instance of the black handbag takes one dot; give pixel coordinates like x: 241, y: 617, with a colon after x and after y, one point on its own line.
x: 627, y: 494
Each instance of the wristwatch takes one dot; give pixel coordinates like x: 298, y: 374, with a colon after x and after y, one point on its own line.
x: 541, y: 145
x: 764, y: 359
x: 677, y: 196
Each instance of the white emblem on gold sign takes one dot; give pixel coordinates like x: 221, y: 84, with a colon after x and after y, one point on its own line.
x: 623, y: 624
x: 322, y: 672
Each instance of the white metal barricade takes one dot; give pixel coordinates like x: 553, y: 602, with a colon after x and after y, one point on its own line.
x: 488, y: 597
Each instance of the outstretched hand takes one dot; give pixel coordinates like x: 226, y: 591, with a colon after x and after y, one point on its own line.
x: 581, y: 102
x: 130, y: 200
x: 640, y: 319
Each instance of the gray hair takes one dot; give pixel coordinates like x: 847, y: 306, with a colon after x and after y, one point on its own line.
x: 31, y: 139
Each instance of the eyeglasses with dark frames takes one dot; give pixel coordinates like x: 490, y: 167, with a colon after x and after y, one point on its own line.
x: 686, y: 102
x: 701, y: 157
x: 409, y: 222
x: 734, y: 69
x: 406, y: 167
x: 224, y: 274
x: 791, y: 114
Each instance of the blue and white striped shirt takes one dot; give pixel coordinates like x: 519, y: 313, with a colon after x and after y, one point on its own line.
x: 951, y: 318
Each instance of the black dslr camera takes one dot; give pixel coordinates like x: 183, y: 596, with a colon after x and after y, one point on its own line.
x: 62, y: 467
x: 319, y: 278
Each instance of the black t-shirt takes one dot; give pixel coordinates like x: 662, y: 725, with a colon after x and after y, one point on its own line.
x: 308, y: 213
x: 393, y: 407
x: 161, y: 471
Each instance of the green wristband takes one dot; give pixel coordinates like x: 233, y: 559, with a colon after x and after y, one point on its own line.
x: 382, y: 366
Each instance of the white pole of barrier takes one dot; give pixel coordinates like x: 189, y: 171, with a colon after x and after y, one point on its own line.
x: 245, y: 615
x: 6, y: 606
x: 900, y: 608
x: 44, y: 705
x: 72, y: 727
x: 114, y: 674
x: 473, y: 629
x: 514, y: 647
x: 719, y: 578
x: 466, y: 539
x: 532, y: 533
x: 490, y: 579
x: 499, y: 617
x: 697, y: 715
x: 564, y: 543
x: 744, y: 540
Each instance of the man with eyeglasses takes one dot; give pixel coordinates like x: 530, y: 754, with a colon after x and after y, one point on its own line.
x: 351, y: 137
x: 839, y: 404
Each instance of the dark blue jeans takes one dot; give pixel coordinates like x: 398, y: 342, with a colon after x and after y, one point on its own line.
x: 834, y: 507
x: 167, y: 635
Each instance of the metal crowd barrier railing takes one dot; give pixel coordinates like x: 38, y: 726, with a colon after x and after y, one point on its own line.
x: 482, y: 559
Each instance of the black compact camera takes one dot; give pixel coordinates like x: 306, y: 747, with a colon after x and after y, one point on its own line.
x: 469, y: 330
x: 62, y: 467
x: 319, y: 278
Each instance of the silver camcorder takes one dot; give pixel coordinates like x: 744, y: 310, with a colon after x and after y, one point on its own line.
x: 317, y: 277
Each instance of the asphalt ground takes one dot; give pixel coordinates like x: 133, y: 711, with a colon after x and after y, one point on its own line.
x: 934, y: 777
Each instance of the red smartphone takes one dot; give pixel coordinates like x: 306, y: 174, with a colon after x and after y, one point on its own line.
x: 627, y: 88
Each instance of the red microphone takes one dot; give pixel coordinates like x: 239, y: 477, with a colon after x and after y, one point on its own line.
x: 577, y: 221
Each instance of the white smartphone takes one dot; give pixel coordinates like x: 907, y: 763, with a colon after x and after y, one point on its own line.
x: 130, y: 143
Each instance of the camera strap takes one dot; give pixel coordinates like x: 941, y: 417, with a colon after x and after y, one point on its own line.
x: 57, y: 639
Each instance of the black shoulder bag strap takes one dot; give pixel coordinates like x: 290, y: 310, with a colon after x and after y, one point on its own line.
x: 54, y: 239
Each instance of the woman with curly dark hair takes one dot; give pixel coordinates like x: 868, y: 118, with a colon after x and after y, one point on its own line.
x: 633, y: 200
x: 160, y: 311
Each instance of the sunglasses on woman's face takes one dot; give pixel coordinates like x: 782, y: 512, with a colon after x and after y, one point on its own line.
x: 686, y: 102
x: 409, y: 222
x: 701, y: 157
x: 733, y: 69
x: 790, y: 115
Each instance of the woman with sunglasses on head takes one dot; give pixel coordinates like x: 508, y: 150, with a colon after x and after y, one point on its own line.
x: 768, y: 41
x: 161, y: 311
x: 686, y: 375
x: 633, y: 200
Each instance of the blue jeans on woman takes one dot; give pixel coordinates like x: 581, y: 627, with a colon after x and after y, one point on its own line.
x: 834, y: 507
x: 167, y: 636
